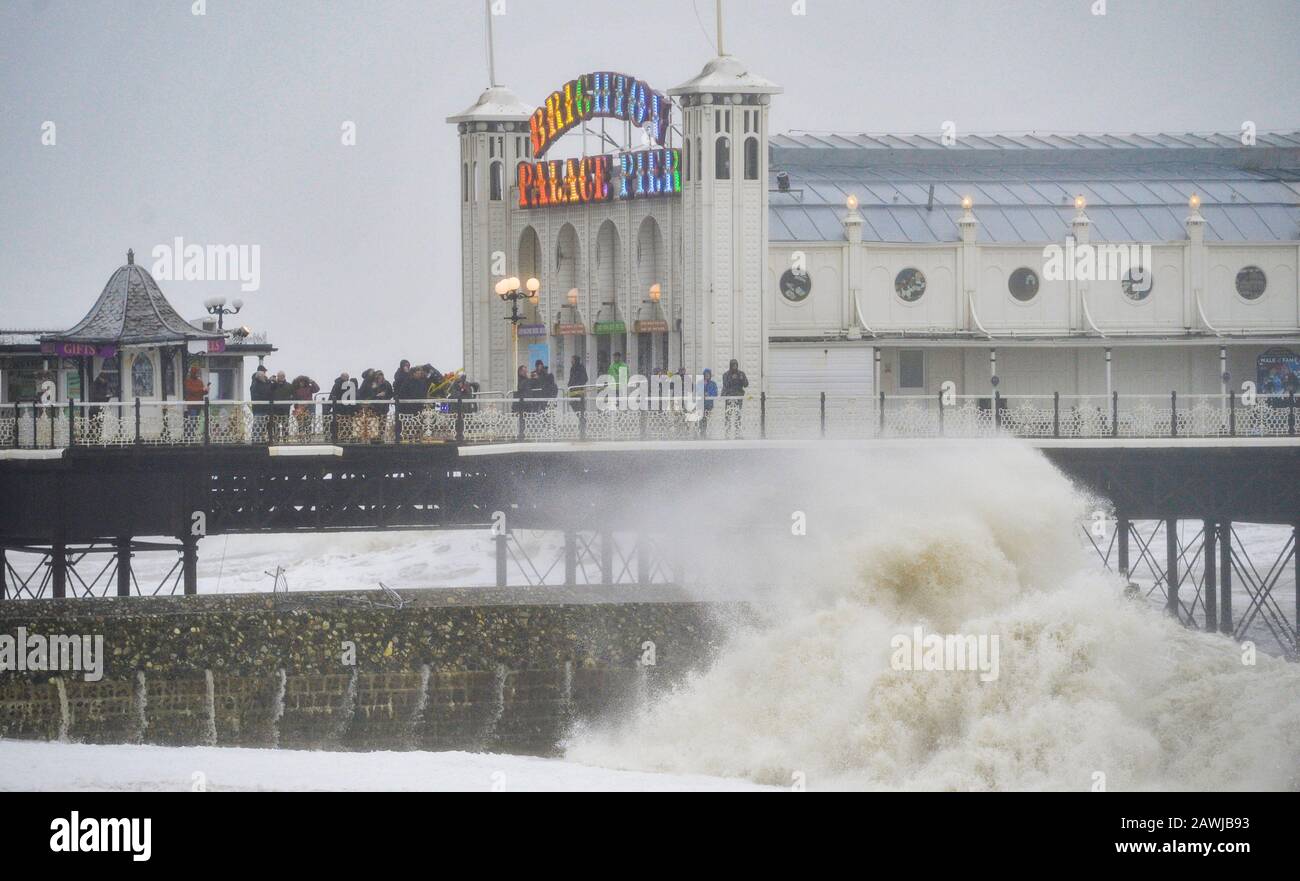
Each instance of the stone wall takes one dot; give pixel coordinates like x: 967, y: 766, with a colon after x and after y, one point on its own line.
x: 501, y: 670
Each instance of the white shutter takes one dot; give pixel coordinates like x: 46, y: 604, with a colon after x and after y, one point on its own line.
x: 836, y: 370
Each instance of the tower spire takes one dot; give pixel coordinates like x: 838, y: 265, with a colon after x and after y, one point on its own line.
x: 721, y: 51
x: 491, y: 49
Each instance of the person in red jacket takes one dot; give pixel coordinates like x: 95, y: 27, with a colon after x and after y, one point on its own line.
x: 195, y: 390
x: 304, y: 389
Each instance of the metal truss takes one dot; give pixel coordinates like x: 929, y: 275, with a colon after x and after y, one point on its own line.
x: 586, y: 558
x: 68, y: 571
x: 1207, y: 564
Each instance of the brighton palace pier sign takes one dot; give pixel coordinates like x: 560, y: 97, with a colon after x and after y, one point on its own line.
x: 632, y: 174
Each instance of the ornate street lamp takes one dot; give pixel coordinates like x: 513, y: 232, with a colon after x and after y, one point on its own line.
x: 217, y: 306
x: 509, y: 291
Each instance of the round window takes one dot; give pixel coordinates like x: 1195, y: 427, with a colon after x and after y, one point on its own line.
x: 1023, y: 284
x: 909, y: 285
x: 1251, y: 283
x: 1137, y: 283
x: 796, y: 285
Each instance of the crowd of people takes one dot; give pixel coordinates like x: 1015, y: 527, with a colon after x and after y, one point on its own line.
x: 278, y: 402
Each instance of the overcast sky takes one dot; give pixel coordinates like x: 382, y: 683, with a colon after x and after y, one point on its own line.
x: 226, y: 128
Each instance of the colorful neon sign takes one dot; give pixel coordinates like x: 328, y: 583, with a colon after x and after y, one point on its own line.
x: 609, y: 178
x: 593, y: 95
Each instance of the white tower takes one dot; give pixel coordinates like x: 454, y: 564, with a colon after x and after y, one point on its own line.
x: 724, y: 215
x: 493, y: 140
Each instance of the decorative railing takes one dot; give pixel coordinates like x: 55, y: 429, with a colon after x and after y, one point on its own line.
x: 762, y: 416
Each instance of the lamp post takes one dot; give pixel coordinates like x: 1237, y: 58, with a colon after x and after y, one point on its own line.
x: 509, y: 290
x: 217, y: 306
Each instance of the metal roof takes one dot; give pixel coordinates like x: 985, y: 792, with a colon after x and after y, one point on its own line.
x: 132, y: 310
x: 1137, y: 186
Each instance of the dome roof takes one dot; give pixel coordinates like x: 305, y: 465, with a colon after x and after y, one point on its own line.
x: 132, y: 311
x: 496, y: 104
x: 726, y: 74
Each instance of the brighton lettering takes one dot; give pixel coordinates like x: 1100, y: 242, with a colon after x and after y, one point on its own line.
x: 594, y: 95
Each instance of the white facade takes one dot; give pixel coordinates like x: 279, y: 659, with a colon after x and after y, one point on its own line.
x: 715, y: 255
x: 703, y: 248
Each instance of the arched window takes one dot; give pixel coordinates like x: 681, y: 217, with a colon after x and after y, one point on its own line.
x: 699, y: 159
x: 751, y: 158
x: 464, y: 181
x: 722, y: 158
x: 494, y: 191
x: 686, y: 158
x: 473, y: 180
x: 142, y: 376
x: 168, y: 375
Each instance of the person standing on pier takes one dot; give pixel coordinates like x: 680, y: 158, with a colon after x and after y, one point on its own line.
x: 577, y: 379
x: 734, y: 383
x: 618, y: 373
x: 101, y: 392
x: 281, y: 390
x: 709, y: 390
x: 259, y: 390
x: 195, y: 391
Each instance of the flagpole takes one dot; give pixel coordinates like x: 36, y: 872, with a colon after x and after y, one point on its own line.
x: 491, y: 52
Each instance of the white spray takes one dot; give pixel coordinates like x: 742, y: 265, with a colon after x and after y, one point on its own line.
x: 972, y: 542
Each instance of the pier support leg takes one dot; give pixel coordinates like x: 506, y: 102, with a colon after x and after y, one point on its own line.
x: 190, y: 564
x: 1225, y: 577
x: 124, y: 567
x: 607, y: 558
x: 1171, y: 567
x: 1122, y: 549
x: 502, y: 553
x: 59, y: 564
x: 642, y: 561
x: 570, y: 558
x: 4, y: 575
x: 1211, y: 581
